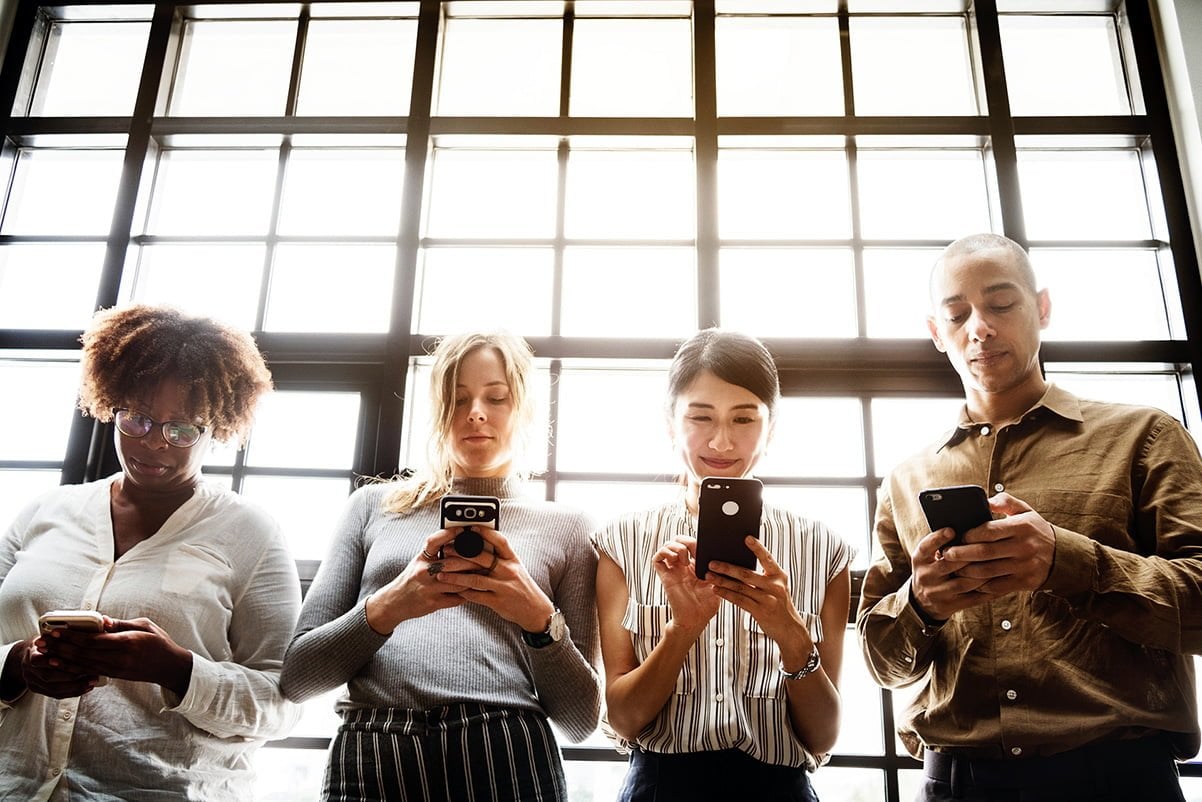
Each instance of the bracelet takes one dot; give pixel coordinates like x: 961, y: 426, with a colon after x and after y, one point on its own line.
x: 809, y: 668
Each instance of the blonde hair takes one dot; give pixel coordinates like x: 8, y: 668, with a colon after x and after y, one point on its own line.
x: 433, y: 480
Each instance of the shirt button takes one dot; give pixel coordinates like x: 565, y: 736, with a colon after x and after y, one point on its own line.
x: 719, y: 641
x: 985, y: 430
x: 717, y: 697
x: 56, y: 771
x: 1011, y: 695
x: 908, y: 659
x: 999, y: 487
x: 66, y: 715
x: 87, y: 605
x: 1006, y: 625
x: 1016, y: 750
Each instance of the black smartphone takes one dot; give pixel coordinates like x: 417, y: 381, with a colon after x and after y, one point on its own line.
x: 467, y: 512
x: 962, y: 507
x: 727, y: 511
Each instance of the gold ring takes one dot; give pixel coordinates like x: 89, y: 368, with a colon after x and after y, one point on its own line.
x: 429, y: 557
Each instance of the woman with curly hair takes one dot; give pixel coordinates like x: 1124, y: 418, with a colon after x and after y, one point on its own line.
x: 197, y: 590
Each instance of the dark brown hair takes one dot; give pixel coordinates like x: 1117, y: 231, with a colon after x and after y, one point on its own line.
x: 129, y: 350
x: 733, y: 357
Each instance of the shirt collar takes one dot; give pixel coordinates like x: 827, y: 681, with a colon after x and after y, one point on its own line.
x: 1058, y: 401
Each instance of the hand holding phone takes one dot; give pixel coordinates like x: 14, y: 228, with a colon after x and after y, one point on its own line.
x: 728, y: 510
x: 962, y: 507
x: 78, y: 620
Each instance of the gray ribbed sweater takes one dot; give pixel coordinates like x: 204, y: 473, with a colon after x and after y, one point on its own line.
x: 463, y: 654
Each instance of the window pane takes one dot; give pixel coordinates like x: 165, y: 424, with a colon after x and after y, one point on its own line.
x: 38, y: 204
x: 1083, y: 194
x: 484, y: 288
x: 922, y: 194
x: 836, y: 784
x: 300, y: 429
x: 307, y: 509
x: 289, y: 775
x: 492, y: 193
x: 778, y: 292
x: 592, y: 779
x: 1160, y: 390
x: 1063, y: 65
x: 306, y: 296
x: 816, y: 437
x: 343, y: 191
x: 49, y: 286
x: 34, y: 422
x: 192, y: 192
x: 912, y: 66
x: 861, y: 731
x: 843, y: 509
x: 902, y: 426
x: 604, y: 501
x: 613, y: 421
x: 1103, y: 294
x: 629, y: 292
x: 218, y: 281
x: 502, y: 67
x: 90, y: 69
x: 783, y: 193
x: 233, y: 68
x: 800, y: 54
x: 357, y: 67
x: 632, y: 68
x: 639, y: 194
x: 896, y: 291
x: 18, y: 488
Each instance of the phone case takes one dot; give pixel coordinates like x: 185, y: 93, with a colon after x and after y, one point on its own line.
x: 465, y: 511
x: 962, y: 507
x: 86, y: 620
x: 728, y: 511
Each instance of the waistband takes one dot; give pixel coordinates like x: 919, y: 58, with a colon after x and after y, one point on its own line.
x: 445, y: 718
x: 1086, y: 767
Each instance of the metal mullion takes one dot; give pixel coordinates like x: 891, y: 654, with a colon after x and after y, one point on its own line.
x: 1001, y: 124
x: 384, y: 453
x: 1181, y: 241
x: 20, y: 38
x: 853, y: 172
x: 705, y: 155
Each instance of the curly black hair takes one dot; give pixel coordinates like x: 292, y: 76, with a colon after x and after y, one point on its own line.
x: 130, y: 349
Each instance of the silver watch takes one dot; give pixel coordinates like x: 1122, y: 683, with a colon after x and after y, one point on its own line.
x: 556, y: 629
x: 809, y: 668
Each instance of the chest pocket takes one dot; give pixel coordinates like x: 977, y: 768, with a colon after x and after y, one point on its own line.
x: 646, y: 624
x: 759, y: 669
x: 190, y: 567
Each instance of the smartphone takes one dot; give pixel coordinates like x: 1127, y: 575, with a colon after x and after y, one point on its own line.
x: 82, y: 620
x: 727, y: 512
x: 962, y: 507
x: 467, y: 511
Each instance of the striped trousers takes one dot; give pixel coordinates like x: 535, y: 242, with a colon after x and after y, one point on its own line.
x: 457, y: 753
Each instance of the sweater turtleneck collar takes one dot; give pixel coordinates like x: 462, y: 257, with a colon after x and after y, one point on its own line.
x: 499, y: 486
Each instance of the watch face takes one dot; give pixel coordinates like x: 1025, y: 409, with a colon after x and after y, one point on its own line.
x: 558, y: 626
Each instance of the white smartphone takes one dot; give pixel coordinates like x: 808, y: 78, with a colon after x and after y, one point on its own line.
x: 83, y: 620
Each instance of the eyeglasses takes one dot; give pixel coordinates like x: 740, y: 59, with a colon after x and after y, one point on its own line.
x: 178, y: 433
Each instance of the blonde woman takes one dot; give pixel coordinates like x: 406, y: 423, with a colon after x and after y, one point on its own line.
x: 454, y: 664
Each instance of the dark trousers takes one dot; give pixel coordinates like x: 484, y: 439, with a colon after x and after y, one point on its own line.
x: 1117, y: 771
x: 457, y: 753
x: 717, y: 776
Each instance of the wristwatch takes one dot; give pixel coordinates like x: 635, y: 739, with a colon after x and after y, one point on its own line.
x: 556, y: 629
x: 809, y: 668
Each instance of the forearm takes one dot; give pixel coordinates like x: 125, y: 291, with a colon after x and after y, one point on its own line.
x: 634, y: 699
x: 1151, y: 601
x: 814, y: 711
x: 569, y: 688
x: 327, y: 656
x: 897, y: 644
x: 235, y: 701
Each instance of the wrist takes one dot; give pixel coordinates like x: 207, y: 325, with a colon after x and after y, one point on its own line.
x: 538, y: 620
x: 12, y: 681
x: 929, y: 621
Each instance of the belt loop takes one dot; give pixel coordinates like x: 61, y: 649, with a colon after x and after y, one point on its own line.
x: 956, y: 777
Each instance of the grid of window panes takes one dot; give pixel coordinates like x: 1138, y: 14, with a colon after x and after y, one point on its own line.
x: 350, y: 180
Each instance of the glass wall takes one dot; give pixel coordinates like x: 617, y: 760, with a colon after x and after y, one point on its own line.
x: 351, y: 180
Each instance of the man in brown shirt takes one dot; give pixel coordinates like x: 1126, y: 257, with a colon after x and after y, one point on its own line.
x: 1053, y: 647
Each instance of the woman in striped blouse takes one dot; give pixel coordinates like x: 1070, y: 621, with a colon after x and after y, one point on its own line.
x: 729, y: 685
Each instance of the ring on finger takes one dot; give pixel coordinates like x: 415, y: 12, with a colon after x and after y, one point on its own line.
x: 495, y: 559
x: 434, y: 568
